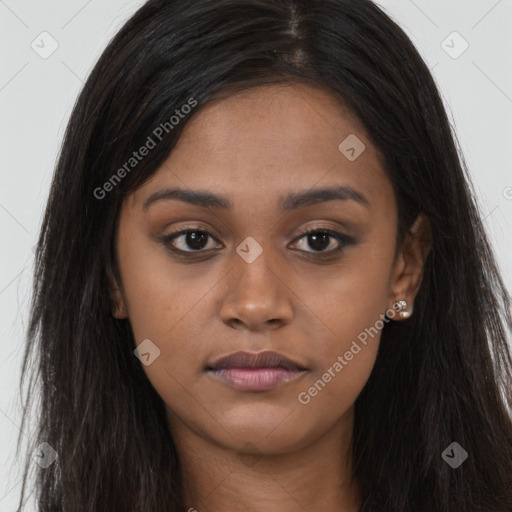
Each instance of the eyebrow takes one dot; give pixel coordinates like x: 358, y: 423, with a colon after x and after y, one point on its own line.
x: 292, y: 201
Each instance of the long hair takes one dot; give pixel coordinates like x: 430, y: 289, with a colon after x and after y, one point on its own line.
x: 443, y: 376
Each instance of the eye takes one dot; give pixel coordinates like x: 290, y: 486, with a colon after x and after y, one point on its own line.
x: 321, y: 239
x: 195, y: 239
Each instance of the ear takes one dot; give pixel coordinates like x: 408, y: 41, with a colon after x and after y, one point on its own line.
x: 409, y: 264
x: 119, y: 309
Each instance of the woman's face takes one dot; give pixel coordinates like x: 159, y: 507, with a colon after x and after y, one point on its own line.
x: 249, y: 279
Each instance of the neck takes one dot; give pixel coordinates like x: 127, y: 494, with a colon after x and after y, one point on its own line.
x: 314, y: 476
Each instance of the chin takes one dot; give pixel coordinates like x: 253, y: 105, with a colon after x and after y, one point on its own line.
x: 255, y: 435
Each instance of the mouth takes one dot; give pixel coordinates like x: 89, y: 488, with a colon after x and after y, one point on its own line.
x: 246, y: 371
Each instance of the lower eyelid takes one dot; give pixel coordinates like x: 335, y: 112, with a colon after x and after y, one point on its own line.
x: 342, y: 239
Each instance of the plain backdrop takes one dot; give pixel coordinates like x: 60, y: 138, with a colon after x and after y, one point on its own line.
x: 37, y: 94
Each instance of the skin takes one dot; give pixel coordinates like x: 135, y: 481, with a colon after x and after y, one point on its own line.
x: 256, y: 451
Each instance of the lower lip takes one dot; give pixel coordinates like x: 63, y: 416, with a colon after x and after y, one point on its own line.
x: 257, y: 379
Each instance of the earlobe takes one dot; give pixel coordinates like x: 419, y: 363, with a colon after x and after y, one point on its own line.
x: 409, y: 266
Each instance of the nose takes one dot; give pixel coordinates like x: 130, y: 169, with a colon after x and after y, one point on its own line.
x: 257, y: 296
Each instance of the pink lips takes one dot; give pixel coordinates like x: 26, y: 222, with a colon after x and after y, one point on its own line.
x: 246, y: 371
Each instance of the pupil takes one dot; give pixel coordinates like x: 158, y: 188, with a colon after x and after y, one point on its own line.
x: 196, y: 239
x: 315, y: 238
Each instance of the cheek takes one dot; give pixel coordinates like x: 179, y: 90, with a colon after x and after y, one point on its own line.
x: 351, y: 305
x: 158, y: 292
x: 163, y: 307
x: 350, y: 298
x: 345, y: 357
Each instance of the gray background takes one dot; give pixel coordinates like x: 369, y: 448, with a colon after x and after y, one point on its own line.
x: 37, y: 94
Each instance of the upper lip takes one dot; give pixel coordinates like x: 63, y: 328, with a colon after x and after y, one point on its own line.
x: 266, y: 359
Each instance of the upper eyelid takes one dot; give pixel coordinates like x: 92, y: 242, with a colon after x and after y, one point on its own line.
x: 331, y: 232
x: 304, y: 232
x: 172, y: 236
x: 184, y: 231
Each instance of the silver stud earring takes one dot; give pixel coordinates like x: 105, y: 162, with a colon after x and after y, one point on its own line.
x: 401, y: 307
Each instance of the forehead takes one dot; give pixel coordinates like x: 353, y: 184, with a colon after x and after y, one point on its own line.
x: 272, y: 139
x: 292, y: 121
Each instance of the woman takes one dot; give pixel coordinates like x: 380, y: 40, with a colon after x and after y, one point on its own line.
x: 262, y: 282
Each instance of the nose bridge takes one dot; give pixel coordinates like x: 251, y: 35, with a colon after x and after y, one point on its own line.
x: 255, y: 293
x: 258, y: 274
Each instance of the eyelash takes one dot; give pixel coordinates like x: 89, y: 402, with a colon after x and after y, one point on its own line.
x: 344, y: 240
